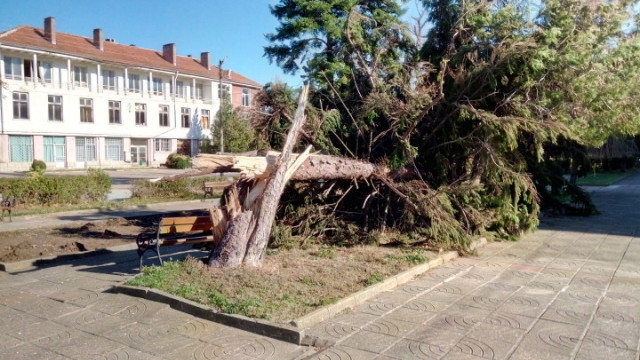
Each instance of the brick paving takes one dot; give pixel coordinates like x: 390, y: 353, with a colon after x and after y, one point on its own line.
x: 570, y: 290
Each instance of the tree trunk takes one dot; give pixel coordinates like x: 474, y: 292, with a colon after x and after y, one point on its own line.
x: 315, y: 167
x: 250, y: 229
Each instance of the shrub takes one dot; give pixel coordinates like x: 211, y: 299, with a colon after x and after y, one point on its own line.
x: 178, y: 161
x: 38, y: 165
x: 184, y: 188
x: 37, y: 189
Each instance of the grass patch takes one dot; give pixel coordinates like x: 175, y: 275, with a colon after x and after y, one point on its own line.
x: 290, y: 284
x: 603, y: 178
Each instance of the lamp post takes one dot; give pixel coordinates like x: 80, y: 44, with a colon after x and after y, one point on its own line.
x: 221, y: 96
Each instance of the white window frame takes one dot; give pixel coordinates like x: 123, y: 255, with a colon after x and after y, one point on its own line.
x: 45, y: 71
x: 54, y: 107
x: 157, y: 86
x: 163, y: 115
x: 205, y: 114
x: 199, y: 92
x: 163, y: 145
x: 80, y: 76
x: 21, y: 105
x: 86, y: 108
x: 115, y: 113
x: 246, y: 97
x: 113, y: 149
x: 134, y: 83
x: 180, y: 89
x: 13, y: 68
x: 108, y: 80
x: 185, y: 117
x: 141, y: 114
x: 24, y: 145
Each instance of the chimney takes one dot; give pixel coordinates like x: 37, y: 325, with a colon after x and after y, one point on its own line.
x: 205, y: 60
x: 50, y: 29
x: 169, y: 53
x: 98, y: 39
x: 229, y: 74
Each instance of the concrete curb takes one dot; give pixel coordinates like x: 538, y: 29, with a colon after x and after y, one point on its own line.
x: 295, y: 331
x: 277, y: 331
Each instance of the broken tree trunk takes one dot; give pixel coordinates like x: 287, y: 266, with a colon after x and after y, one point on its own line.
x: 251, y: 228
x: 315, y: 167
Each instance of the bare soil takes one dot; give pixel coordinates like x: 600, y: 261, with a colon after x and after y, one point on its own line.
x: 79, y: 236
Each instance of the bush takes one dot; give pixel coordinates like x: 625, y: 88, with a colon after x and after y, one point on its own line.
x: 178, y: 161
x: 183, y: 189
x: 38, y: 165
x: 37, y: 189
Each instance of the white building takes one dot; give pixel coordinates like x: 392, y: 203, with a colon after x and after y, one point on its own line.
x: 77, y: 102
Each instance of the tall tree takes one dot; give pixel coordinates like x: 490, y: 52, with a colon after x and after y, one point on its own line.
x: 468, y: 114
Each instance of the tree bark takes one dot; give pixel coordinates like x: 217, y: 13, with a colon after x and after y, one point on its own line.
x: 315, y: 167
x: 275, y: 185
x: 231, y: 250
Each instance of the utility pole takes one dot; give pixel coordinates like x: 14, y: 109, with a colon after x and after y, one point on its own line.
x: 221, y: 95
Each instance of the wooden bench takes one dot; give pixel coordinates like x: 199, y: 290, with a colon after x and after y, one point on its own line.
x: 210, y: 186
x: 175, y: 231
x: 7, y: 205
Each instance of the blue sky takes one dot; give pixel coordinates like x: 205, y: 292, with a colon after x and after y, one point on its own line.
x: 231, y: 29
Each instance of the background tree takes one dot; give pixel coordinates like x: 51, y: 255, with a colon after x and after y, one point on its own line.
x: 239, y: 136
x: 467, y: 116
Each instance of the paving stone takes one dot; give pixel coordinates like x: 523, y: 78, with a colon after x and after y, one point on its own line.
x: 46, y: 308
x: 7, y: 342
x: 550, y: 338
x: 343, y: 353
x: 408, y: 349
x: 29, y: 352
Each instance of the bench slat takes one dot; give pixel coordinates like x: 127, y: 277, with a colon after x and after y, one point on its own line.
x: 184, y: 224
x: 190, y: 240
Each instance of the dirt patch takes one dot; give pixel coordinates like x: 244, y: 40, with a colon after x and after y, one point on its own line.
x: 79, y: 236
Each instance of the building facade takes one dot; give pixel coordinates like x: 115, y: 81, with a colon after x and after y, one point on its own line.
x: 78, y: 102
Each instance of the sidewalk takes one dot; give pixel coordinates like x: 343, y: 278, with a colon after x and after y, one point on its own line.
x: 57, y: 219
x: 570, y: 290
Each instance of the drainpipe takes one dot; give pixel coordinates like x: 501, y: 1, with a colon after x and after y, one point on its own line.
x: 1, y: 106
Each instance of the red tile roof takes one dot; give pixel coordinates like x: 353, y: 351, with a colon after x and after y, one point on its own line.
x: 125, y: 55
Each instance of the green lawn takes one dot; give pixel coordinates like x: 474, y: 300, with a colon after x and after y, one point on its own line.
x: 604, y: 178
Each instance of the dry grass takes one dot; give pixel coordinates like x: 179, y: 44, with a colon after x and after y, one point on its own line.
x: 290, y: 283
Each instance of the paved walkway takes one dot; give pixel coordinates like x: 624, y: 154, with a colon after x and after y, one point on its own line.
x: 571, y: 290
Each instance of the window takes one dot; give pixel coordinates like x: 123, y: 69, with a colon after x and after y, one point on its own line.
x: 157, y: 86
x: 114, y: 149
x: 20, y: 148
x: 163, y: 144
x: 141, y: 114
x: 199, y: 90
x: 114, y: 112
x: 204, y: 118
x: 185, y: 116
x: 245, y: 97
x: 80, y: 76
x: 86, y: 110
x: 55, y: 108
x: 12, y: 68
x: 54, y: 149
x: 179, y: 89
x: 44, y: 71
x: 85, y: 149
x: 164, y: 115
x: 20, y: 105
x: 108, y: 80
x: 134, y: 83
x: 225, y: 89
